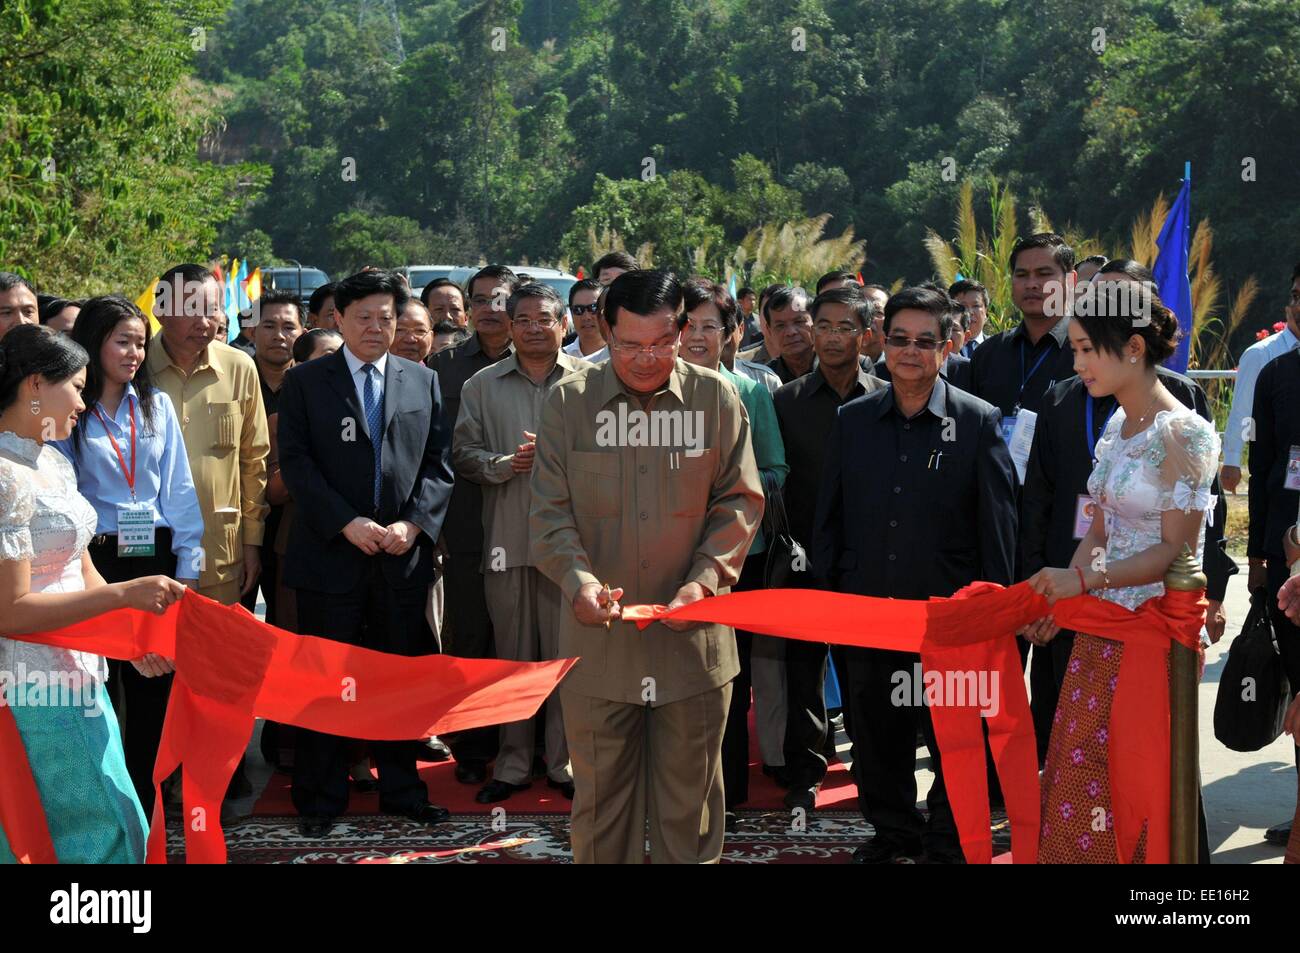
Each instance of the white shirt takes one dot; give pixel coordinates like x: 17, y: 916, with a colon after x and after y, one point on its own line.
x: 1253, y: 360
x: 574, y: 349
x: 355, y: 365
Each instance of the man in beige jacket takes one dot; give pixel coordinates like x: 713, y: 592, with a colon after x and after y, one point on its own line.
x: 644, y: 489
x: 218, y: 398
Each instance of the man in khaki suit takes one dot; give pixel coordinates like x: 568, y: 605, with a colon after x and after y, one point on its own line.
x: 218, y: 398
x: 645, y: 489
x: 494, y: 446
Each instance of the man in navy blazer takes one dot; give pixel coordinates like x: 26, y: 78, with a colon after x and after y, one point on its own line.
x: 918, y: 499
x: 364, y: 450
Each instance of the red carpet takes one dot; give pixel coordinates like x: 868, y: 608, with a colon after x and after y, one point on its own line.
x: 837, y: 792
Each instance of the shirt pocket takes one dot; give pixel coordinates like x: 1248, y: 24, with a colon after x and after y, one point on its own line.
x: 689, y: 484
x: 224, y: 418
x: 596, y: 484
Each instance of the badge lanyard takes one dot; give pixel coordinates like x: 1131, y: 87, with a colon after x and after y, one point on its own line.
x: 1092, y: 440
x: 1025, y: 378
x: 130, y: 475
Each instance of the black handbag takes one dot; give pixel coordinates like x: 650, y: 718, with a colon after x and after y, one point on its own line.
x: 1253, y: 689
x: 786, y: 564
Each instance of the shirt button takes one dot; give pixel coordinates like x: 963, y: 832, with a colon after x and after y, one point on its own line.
x: 645, y: 516
x: 645, y: 564
x: 893, y: 522
x: 643, y: 468
x: 186, y: 420
x: 892, y: 557
x: 898, y: 489
x: 902, y: 458
x: 907, y: 426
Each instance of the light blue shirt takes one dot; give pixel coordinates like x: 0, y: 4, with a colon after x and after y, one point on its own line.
x: 162, y: 472
x: 1236, y: 432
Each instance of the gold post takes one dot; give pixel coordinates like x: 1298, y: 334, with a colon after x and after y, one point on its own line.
x: 1184, y: 575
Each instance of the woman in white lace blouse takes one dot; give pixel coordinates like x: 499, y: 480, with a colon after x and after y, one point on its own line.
x: 48, y: 581
x: 1155, y: 462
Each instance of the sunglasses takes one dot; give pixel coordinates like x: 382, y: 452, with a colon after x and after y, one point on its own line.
x: 580, y: 309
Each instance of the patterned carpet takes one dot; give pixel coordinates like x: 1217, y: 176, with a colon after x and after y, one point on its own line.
x: 761, y: 837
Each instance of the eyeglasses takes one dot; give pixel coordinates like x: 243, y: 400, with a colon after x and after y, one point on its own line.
x: 636, y: 350
x: 544, y: 324
x: 703, y: 328
x: 841, y: 331
x: 898, y: 342
x: 580, y: 309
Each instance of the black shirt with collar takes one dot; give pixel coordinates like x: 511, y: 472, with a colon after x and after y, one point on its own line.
x: 805, y: 411
x: 463, y: 525
x: 1006, y: 361
x: 1276, y: 416
x: 783, y: 370
x: 1060, y: 463
x: 916, y: 507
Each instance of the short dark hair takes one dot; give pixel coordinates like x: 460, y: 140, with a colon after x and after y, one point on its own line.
x: 784, y: 295
x: 584, y: 284
x: 1062, y: 253
x: 498, y: 273
x: 305, y: 343
x: 36, y: 349
x: 1110, y: 328
x: 536, y: 289
x: 279, y: 296
x: 968, y: 284
x: 767, y: 292
x: 9, y: 281
x: 861, y: 308
x: 830, y: 276
x: 698, y: 291
x: 747, y: 290
x: 917, y: 298
x: 318, y: 297
x: 1129, y: 269
x: 643, y: 292
x: 51, y: 308
x: 614, y: 259
x: 366, y: 283
x: 437, y: 283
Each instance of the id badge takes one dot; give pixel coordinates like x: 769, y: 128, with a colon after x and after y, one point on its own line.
x: 1085, y: 508
x: 1008, y: 428
x: 1292, y: 481
x: 135, y: 535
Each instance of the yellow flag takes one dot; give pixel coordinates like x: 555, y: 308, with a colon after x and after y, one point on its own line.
x: 145, y: 303
x: 254, y: 286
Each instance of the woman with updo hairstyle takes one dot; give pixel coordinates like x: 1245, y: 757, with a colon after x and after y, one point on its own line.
x: 48, y: 581
x: 1156, y: 460
x: 129, y: 457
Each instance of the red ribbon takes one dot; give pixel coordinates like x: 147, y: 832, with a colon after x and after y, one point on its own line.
x: 971, y: 632
x: 231, y: 668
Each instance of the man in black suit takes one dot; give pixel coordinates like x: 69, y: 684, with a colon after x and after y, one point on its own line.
x: 917, y: 500
x: 364, y: 450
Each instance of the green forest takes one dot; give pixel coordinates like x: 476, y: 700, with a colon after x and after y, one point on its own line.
x: 348, y: 132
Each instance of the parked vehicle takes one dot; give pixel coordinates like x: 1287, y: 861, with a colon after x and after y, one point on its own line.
x: 417, y: 276
x: 303, y: 280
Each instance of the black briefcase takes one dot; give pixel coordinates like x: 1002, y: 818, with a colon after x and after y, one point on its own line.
x: 1253, y: 690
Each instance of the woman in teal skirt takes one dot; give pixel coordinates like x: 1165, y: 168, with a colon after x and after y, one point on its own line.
x: 47, y: 581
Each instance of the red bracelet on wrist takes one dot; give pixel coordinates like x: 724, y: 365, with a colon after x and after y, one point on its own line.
x: 1083, y: 585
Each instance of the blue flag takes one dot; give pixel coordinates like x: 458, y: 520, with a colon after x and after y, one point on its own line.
x: 731, y: 287
x: 1170, y: 269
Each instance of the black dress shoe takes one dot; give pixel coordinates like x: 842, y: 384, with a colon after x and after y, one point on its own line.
x: 497, y: 790
x: 423, y: 814
x: 471, y: 772
x: 1278, y: 835
x: 365, y: 786
x: 315, y: 825
x: 564, y: 787
x: 438, y: 751
x: 878, y: 850
x: 729, y: 822
x: 801, y: 797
